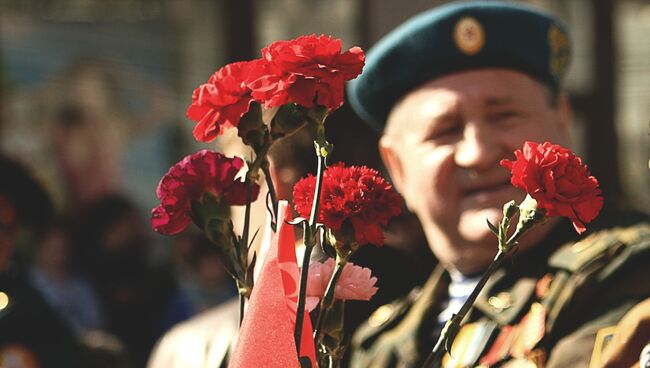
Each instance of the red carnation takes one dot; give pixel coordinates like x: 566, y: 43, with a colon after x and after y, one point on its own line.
x: 354, y: 193
x: 187, y: 181
x: 306, y: 70
x: 557, y: 179
x: 221, y: 102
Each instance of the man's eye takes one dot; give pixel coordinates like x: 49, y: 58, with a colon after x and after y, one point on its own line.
x: 446, y: 133
x: 505, y: 115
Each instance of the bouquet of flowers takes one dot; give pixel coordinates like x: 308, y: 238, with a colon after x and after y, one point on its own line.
x: 294, y: 316
x: 295, y: 85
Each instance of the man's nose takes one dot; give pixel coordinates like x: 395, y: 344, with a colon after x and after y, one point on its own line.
x: 478, y: 149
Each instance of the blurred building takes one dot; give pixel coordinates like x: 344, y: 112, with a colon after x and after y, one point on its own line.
x: 131, y: 66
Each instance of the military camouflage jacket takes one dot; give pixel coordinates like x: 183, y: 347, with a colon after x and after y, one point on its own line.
x: 553, y: 307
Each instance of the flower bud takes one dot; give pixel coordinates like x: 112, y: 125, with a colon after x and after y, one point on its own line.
x: 529, y: 214
x: 510, y: 209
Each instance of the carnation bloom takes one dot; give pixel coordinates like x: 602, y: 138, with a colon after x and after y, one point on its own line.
x: 558, y: 180
x: 306, y: 70
x: 356, y: 194
x: 355, y: 282
x: 188, y: 180
x: 222, y: 101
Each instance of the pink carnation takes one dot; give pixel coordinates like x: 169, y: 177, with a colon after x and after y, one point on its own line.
x: 355, y: 283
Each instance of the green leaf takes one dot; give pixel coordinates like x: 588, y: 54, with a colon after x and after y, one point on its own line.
x: 228, y: 264
x: 327, y: 245
x: 297, y: 221
x: 493, y: 228
x: 253, y: 238
x: 453, y: 331
x: 333, y: 326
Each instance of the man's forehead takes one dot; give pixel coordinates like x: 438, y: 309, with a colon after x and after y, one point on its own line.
x: 501, y: 79
x: 490, y: 87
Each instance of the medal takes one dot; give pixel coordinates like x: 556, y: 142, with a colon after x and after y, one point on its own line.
x: 469, y: 344
x: 604, y: 336
x: 543, y: 286
x: 462, y: 341
x: 535, y: 359
x: 519, y: 363
x: 501, y: 346
x: 531, y: 331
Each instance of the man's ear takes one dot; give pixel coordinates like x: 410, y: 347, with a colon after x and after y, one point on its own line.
x: 392, y: 161
x: 565, y: 113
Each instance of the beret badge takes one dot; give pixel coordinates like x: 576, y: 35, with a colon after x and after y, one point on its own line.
x: 559, y: 46
x: 469, y: 35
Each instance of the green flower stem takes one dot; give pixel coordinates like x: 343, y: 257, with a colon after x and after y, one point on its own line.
x: 328, y: 299
x: 242, y: 303
x: 244, y: 290
x: 271, y: 186
x: 300, y: 311
x: 452, y: 326
x: 334, y: 363
x: 251, y: 177
x: 514, y: 238
x: 309, y: 238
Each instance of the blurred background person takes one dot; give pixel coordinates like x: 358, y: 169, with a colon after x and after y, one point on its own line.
x: 82, y: 146
x: 112, y: 242
x: 203, y: 281
x: 34, y: 334
x: 62, y: 287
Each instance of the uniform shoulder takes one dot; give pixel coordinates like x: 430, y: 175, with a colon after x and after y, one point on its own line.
x: 618, y: 243
x: 604, y: 280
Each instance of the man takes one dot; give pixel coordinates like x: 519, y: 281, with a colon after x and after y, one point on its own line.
x: 455, y: 90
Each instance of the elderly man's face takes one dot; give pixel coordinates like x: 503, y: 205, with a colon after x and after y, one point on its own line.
x: 443, y: 145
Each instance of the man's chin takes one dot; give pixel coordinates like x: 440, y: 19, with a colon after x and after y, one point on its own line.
x: 472, y: 225
x: 476, y: 258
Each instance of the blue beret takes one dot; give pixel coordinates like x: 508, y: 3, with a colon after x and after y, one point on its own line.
x: 457, y: 37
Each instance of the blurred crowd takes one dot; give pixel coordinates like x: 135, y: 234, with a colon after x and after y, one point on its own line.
x: 92, y: 266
